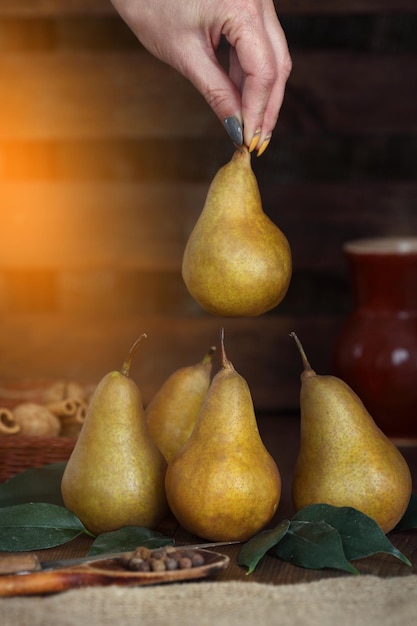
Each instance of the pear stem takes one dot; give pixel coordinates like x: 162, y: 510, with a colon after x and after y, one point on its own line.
x: 128, y: 362
x: 209, y: 354
x: 226, y: 364
x: 306, y: 364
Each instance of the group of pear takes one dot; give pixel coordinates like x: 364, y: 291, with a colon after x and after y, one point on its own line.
x: 195, y: 451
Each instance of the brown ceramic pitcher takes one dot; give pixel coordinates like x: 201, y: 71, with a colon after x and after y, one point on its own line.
x: 376, y: 352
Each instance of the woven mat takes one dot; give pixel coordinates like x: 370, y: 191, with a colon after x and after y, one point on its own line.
x: 343, y: 601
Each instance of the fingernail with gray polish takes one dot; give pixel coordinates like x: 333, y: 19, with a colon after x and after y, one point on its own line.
x: 234, y: 130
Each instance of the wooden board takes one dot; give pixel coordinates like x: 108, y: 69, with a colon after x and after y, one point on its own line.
x: 85, y: 96
x: 85, y: 348
x: 126, y: 226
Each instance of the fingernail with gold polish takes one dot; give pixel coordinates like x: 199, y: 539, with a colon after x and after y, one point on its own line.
x: 234, y: 130
x: 264, y: 145
x: 255, y: 140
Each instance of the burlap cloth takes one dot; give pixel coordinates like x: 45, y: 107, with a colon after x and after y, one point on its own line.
x: 349, y: 600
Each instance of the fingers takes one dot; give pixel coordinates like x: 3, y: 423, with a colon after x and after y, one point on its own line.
x: 247, y: 102
x: 276, y: 96
x: 249, y: 98
x: 260, y: 76
x: 266, y: 73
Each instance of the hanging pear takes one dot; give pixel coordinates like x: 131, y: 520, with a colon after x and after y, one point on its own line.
x: 115, y: 474
x: 173, y: 411
x: 344, y: 458
x: 223, y: 485
x: 237, y: 262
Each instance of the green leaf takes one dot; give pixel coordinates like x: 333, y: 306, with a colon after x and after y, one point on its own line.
x: 361, y: 536
x: 313, y: 545
x: 34, y: 485
x: 36, y: 526
x: 255, y: 549
x: 409, y: 519
x: 127, y: 539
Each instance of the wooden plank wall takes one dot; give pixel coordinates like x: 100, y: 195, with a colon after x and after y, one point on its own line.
x: 106, y: 155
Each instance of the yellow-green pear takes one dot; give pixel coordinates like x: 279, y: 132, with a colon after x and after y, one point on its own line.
x: 173, y: 411
x: 237, y: 262
x: 344, y: 458
x: 223, y: 485
x: 115, y: 474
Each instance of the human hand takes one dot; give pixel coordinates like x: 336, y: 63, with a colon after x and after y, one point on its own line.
x: 186, y: 36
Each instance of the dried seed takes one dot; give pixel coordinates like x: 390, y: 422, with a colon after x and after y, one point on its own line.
x: 157, y: 565
x: 143, y: 552
x: 158, y: 554
x: 137, y: 564
x: 125, y: 560
x: 197, y: 559
x: 171, y: 564
x: 188, y: 554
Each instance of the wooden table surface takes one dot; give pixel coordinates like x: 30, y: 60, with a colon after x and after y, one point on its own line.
x: 281, y: 435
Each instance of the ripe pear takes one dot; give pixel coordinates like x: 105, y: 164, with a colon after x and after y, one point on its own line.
x: 173, y: 411
x: 237, y: 262
x: 115, y: 474
x: 344, y: 458
x: 223, y: 485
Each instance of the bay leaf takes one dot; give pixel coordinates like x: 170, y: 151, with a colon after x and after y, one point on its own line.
x: 409, y: 519
x: 255, y: 549
x: 313, y: 545
x: 34, y: 485
x: 128, y: 538
x: 361, y: 535
x: 38, y: 525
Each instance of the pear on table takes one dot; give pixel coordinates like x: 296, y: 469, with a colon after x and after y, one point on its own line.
x: 173, y: 411
x: 344, y: 458
x: 115, y: 474
x: 237, y: 262
x: 223, y: 485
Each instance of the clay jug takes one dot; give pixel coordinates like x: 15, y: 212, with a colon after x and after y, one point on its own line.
x: 376, y: 351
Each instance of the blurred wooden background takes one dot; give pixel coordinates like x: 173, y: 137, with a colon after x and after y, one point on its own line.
x: 106, y: 155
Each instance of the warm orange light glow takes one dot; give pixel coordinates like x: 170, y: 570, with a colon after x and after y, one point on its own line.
x: 34, y: 232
